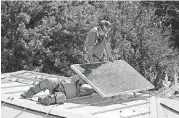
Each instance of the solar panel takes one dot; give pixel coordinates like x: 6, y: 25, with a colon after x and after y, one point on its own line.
x: 112, y: 79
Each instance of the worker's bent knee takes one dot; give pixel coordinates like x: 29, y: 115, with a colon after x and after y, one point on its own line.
x: 44, y: 84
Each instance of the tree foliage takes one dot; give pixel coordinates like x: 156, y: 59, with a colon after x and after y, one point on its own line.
x: 48, y: 36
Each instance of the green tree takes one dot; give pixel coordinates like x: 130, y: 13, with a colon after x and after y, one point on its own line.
x: 48, y: 36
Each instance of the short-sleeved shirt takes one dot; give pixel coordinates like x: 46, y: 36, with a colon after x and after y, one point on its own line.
x: 94, y: 39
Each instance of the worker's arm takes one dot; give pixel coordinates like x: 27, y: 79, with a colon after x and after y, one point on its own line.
x: 89, y: 44
x: 85, y: 90
x: 89, y: 51
x: 108, y: 50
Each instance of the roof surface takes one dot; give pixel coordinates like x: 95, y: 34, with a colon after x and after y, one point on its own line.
x: 126, y: 105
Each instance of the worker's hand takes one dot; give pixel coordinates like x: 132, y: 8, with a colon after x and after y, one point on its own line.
x: 86, y: 51
x: 85, y: 87
x: 111, y: 59
x: 79, y: 84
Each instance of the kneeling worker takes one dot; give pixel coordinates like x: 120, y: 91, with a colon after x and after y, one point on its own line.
x: 60, y: 90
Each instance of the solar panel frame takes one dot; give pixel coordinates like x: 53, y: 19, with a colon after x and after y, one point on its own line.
x: 84, y: 72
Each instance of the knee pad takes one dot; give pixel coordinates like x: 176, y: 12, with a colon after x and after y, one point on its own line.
x: 45, y: 100
x: 55, y: 98
x: 59, y: 97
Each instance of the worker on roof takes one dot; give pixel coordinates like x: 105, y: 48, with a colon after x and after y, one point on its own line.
x: 97, y: 43
x: 60, y: 90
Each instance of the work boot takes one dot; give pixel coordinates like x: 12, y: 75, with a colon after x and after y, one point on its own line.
x: 29, y: 94
x: 32, y: 91
x: 56, y: 98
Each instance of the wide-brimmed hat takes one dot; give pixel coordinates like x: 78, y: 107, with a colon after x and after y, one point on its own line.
x: 106, y: 25
x: 105, y: 22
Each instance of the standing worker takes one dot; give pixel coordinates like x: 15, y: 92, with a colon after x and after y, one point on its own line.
x: 97, y: 43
